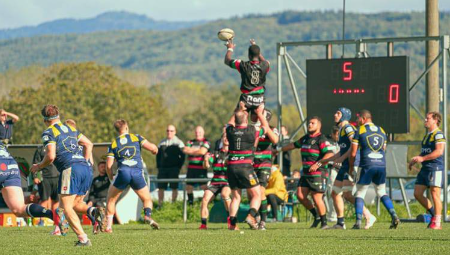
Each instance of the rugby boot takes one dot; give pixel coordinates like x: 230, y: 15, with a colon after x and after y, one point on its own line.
x: 356, y: 226
x: 153, y: 224
x: 395, y: 222
x: 324, y: 227
x: 235, y: 227
x: 203, y: 226
x: 100, y: 220
x: 80, y: 244
x: 315, y: 223
x: 262, y: 225
x: 63, y: 224
x: 370, y: 221
x: 435, y: 224
x: 56, y: 232
x: 338, y: 226
x: 251, y: 221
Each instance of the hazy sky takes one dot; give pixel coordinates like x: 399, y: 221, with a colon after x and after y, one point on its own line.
x: 16, y: 13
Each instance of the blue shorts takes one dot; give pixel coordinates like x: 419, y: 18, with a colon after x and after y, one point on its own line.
x: 366, y: 176
x: 342, y: 173
x: 9, y: 173
x: 129, y: 176
x: 75, y: 180
x: 430, y: 178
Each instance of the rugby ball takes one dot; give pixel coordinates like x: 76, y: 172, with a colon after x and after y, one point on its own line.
x: 226, y: 34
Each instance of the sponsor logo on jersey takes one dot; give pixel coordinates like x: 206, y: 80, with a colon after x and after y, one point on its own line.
x: 427, y: 150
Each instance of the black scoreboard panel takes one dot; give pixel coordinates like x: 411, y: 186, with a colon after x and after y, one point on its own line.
x: 377, y: 84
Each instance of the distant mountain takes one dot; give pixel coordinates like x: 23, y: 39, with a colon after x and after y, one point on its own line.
x: 104, y: 22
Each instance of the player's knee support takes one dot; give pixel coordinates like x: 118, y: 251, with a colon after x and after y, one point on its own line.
x: 337, y: 190
x: 361, y: 190
x: 381, y: 190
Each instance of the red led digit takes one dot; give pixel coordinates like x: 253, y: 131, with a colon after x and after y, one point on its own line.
x: 393, y: 93
x: 347, y: 71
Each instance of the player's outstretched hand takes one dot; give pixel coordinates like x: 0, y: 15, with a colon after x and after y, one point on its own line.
x: 230, y: 44
x: 252, y: 42
x: 314, y: 167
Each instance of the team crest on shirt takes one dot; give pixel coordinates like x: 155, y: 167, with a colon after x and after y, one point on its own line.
x: 64, y: 129
x: 373, y: 128
x: 252, y: 179
x: 123, y: 140
x: 313, y: 142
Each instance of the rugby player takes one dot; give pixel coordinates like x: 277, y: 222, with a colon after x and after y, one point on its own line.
x: 432, y: 171
x: 62, y: 143
x: 314, y: 147
x: 343, y: 184
x: 243, y: 139
x: 11, y: 186
x: 196, y: 149
x: 219, y: 182
x: 371, y: 141
x: 263, y: 162
x: 253, y: 74
x: 126, y: 150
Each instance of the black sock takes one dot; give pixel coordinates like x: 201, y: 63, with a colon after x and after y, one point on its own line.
x: 35, y: 210
x: 91, y: 214
x: 233, y: 220
x: 431, y: 211
x: 314, y: 213
x: 190, y: 198
x: 253, y: 212
x: 323, y: 219
x: 340, y: 221
x: 204, y: 221
x: 148, y: 211
x: 263, y: 210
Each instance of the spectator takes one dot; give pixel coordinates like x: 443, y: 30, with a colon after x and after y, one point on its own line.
x: 6, y: 126
x: 99, y: 187
x: 276, y: 191
x: 169, y: 160
x: 196, y: 149
x: 48, y: 183
x: 286, y: 168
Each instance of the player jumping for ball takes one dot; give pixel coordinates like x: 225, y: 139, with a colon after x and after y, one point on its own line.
x: 253, y: 74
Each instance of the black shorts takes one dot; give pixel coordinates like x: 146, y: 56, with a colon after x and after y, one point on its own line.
x: 242, y: 177
x: 168, y: 173
x: 48, y: 188
x: 263, y: 177
x: 196, y: 174
x: 314, y: 183
x: 217, y: 189
x: 251, y: 101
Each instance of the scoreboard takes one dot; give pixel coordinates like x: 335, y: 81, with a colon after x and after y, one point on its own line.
x: 377, y: 84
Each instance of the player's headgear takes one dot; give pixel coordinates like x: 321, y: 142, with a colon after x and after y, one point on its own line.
x: 346, y: 114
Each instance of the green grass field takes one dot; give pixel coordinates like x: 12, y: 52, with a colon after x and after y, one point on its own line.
x: 280, y: 238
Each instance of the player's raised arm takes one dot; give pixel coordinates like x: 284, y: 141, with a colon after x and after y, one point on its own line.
x: 230, y: 48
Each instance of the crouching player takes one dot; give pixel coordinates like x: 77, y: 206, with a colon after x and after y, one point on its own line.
x: 219, y: 182
x: 126, y: 150
x: 371, y: 140
x: 431, y: 174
